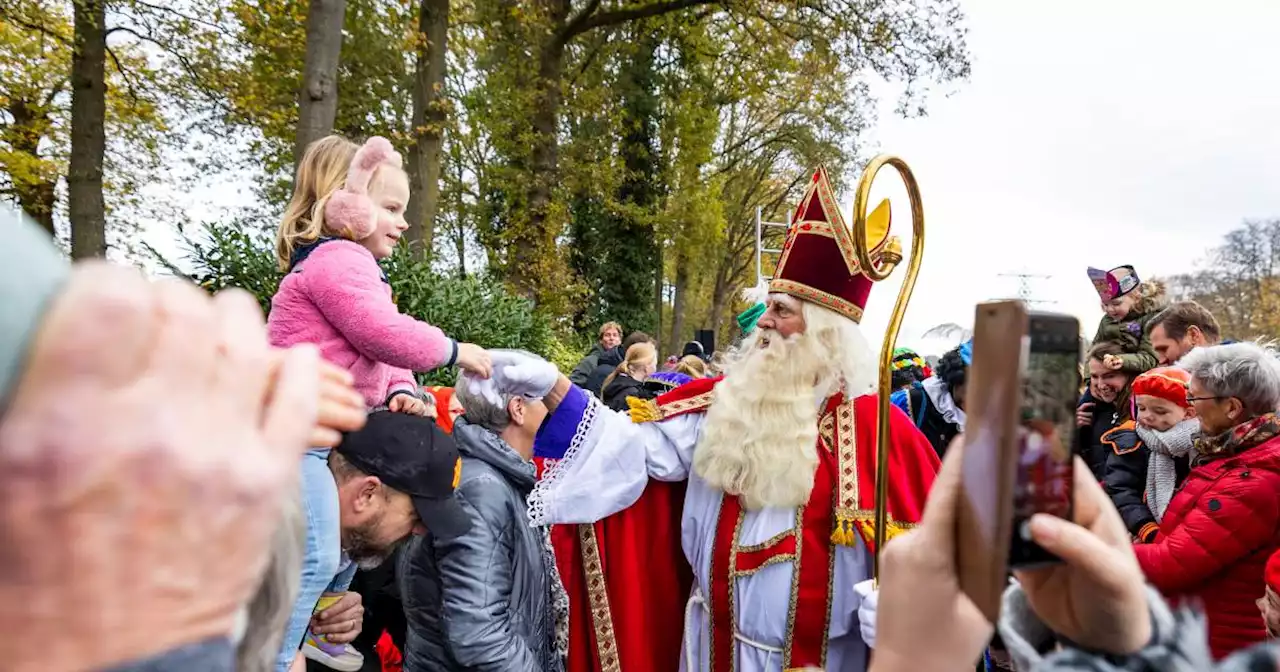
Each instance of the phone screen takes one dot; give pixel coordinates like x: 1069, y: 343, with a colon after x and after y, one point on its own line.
x: 1050, y: 387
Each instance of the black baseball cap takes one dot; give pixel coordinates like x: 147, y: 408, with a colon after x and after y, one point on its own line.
x: 413, y: 455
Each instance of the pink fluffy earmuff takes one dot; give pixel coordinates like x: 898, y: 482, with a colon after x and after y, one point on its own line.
x: 349, y: 209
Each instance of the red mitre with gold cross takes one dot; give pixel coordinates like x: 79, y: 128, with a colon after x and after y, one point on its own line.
x: 819, y: 263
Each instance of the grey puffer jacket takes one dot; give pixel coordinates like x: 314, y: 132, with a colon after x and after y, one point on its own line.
x: 482, y: 601
x: 1179, y: 643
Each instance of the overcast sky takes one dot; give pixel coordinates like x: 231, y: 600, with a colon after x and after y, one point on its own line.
x: 1091, y: 133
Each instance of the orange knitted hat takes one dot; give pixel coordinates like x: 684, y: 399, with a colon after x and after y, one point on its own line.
x: 1164, y: 382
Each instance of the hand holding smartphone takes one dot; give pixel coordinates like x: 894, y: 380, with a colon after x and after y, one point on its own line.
x: 1021, y: 395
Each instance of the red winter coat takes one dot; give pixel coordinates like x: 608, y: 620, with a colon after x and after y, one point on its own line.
x: 1214, y: 542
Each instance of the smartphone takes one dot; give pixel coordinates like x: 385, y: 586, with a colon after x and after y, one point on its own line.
x: 1050, y: 388
x: 993, y: 404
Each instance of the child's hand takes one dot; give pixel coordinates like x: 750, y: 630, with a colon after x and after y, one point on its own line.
x: 407, y: 403
x: 1112, y: 362
x: 474, y: 360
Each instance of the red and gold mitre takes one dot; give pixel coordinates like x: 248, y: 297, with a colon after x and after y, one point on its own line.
x: 819, y: 263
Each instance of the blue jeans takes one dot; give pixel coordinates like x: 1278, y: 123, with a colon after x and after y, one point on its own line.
x: 324, y: 568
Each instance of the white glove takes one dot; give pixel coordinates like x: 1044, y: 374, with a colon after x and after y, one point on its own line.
x: 517, y: 374
x: 867, y: 610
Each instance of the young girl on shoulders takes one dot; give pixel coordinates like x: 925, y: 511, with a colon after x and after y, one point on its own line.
x: 347, y: 213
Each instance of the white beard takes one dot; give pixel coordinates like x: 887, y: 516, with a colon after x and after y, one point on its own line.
x: 760, y: 436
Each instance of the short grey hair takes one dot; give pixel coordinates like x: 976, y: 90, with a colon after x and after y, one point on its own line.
x: 1247, y: 371
x: 478, y: 409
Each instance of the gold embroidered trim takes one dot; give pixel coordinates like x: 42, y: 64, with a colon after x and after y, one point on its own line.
x: 826, y: 430
x: 777, y: 538
x: 798, y: 530
x: 598, y: 600
x: 681, y: 405
x: 831, y: 586
x: 807, y: 293
x: 733, y: 586
x: 846, y: 439
x: 773, y: 560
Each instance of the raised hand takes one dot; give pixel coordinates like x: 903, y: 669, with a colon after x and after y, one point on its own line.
x: 1096, y: 597
x: 149, y: 426
x: 474, y: 360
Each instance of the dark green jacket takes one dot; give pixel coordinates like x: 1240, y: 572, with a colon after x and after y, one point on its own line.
x: 1134, y: 332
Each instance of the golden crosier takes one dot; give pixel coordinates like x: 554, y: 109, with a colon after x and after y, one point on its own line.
x: 879, y: 268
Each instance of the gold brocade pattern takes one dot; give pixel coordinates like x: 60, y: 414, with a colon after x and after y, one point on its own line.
x: 795, y: 583
x: 598, y: 599
x: 771, y: 541
x: 844, y: 530
x: 825, y: 299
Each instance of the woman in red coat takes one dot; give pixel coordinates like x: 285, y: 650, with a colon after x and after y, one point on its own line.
x: 1224, y: 523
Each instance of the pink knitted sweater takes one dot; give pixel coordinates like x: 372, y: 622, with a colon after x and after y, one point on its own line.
x: 336, y: 298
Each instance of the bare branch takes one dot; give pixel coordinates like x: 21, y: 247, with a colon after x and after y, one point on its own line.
x: 128, y: 81
x: 582, y: 24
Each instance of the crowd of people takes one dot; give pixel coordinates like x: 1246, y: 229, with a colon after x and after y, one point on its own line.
x: 187, y: 486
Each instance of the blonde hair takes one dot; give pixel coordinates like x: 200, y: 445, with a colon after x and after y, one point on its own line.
x: 604, y: 329
x: 637, y: 355
x: 692, y: 365
x: 322, y: 171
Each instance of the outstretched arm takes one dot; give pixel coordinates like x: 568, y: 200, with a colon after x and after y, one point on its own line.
x: 602, y: 460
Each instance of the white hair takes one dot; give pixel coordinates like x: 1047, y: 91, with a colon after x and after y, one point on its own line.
x: 1249, y: 372
x: 760, y: 436
x: 853, y: 359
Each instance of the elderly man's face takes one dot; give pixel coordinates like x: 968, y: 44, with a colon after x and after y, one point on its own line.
x: 527, y: 415
x: 783, y: 314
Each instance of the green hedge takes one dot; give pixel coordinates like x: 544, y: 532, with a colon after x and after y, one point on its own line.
x: 474, y: 309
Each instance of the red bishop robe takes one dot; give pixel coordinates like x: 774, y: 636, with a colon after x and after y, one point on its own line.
x: 634, y: 593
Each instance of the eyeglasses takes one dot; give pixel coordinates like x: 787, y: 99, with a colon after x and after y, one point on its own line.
x: 1192, y: 400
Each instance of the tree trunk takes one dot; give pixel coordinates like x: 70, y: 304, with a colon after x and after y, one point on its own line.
x: 318, y: 98
x: 35, y: 196
x: 721, y: 292
x: 528, y: 247
x: 87, y: 208
x: 659, y: 277
x: 428, y: 124
x: 677, y: 306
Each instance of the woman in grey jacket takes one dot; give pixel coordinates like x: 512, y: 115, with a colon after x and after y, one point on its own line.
x: 491, y: 599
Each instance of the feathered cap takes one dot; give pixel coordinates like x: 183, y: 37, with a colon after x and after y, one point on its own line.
x: 1114, y: 283
x: 349, y: 211
x: 819, y: 263
x: 906, y: 358
x: 1165, y: 382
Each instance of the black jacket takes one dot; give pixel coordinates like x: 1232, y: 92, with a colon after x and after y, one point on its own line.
x: 914, y: 401
x: 607, y: 363
x: 621, y: 387
x: 1089, y: 439
x: 1126, y: 479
